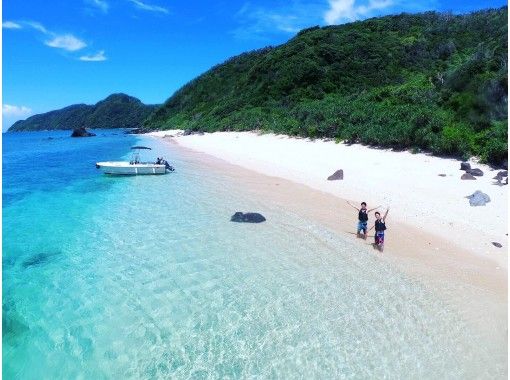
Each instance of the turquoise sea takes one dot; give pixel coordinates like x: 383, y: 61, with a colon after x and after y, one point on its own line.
x: 146, y: 278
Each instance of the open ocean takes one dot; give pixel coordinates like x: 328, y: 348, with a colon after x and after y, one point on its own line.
x: 145, y: 277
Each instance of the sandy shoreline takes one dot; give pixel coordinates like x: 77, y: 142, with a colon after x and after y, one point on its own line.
x: 473, y: 283
x: 409, y: 183
x: 454, y: 246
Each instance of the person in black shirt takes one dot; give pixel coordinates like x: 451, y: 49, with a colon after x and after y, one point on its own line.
x: 380, y: 227
x: 362, y: 218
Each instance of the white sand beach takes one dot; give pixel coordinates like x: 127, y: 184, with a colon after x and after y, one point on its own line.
x: 407, y: 183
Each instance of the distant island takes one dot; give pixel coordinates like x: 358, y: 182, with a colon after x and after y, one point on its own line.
x: 116, y: 111
x: 431, y: 81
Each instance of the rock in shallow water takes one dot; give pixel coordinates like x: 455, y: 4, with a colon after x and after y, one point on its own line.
x: 478, y: 198
x: 39, y: 259
x: 249, y: 217
x: 81, y: 132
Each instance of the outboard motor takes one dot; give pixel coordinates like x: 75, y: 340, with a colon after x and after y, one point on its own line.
x: 168, y: 167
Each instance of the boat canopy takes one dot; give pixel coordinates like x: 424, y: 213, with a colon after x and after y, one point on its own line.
x: 140, y: 147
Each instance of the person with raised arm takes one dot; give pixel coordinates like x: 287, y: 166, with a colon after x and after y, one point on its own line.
x: 362, y: 218
x: 380, y: 227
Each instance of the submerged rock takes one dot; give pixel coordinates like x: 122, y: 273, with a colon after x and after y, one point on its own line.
x: 339, y: 174
x: 465, y: 166
x: 478, y: 198
x: 467, y: 176
x: 81, y: 132
x: 39, y: 259
x: 13, y: 323
x: 249, y: 217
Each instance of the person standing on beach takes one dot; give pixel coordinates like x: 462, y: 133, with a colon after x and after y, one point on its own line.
x: 362, y: 218
x: 380, y: 227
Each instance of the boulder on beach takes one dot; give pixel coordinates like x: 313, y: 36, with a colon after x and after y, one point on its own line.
x: 81, y: 132
x: 442, y: 175
x: 465, y: 166
x: 501, y: 174
x: 478, y: 198
x: 496, y: 244
x: 476, y: 172
x: 249, y: 217
x: 188, y: 132
x: 339, y: 174
x: 467, y: 176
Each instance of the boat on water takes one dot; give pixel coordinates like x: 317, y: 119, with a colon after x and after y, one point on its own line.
x: 135, y: 166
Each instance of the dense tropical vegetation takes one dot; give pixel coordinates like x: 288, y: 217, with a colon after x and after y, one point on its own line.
x: 430, y: 81
x: 116, y: 111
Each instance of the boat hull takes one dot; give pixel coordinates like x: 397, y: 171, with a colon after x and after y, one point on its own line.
x: 125, y: 168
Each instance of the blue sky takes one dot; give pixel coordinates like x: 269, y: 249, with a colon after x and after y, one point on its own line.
x: 62, y: 52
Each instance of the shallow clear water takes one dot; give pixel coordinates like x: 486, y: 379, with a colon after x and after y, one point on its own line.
x: 145, y: 277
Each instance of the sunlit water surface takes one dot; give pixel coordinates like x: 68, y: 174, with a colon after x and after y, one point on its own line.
x: 146, y: 277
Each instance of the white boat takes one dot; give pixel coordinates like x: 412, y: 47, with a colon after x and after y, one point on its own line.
x: 135, y: 166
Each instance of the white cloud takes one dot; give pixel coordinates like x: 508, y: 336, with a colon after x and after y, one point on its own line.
x: 10, y: 25
x: 99, y: 56
x: 67, y: 42
x: 148, y: 7
x: 102, y: 5
x: 258, y: 22
x: 11, y: 114
x: 60, y: 41
x: 15, y: 111
x: 37, y: 26
x: 347, y: 10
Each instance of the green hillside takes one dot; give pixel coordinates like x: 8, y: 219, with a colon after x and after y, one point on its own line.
x: 116, y: 111
x: 430, y: 81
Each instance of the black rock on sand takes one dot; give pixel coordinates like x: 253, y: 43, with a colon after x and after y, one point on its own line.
x: 339, y: 174
x: 501, y: 174
x: 465, y: 166
x: 249, y: 217
x: 477, y: 172
x: 467, y: 176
